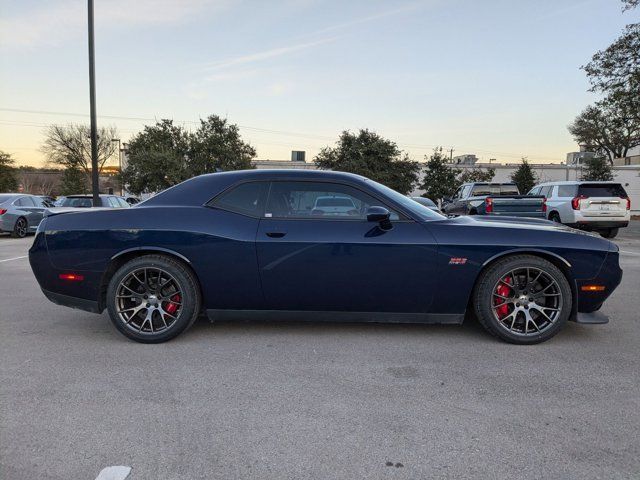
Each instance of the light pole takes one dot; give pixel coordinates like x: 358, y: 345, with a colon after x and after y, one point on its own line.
x: 119, y: 163
x: 95, y: 186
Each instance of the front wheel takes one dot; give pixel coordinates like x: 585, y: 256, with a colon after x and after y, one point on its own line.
x: 152, y: 299
x: 609, y: 233
x: 523, y: 299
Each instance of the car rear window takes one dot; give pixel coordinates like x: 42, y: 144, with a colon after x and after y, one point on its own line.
x: 601, y: 190
x: 5, y: 197
x: 495, y: 189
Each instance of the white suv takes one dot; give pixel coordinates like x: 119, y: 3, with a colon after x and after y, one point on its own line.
x: 601, y: 207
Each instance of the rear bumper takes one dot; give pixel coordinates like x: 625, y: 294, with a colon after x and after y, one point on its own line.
x: 73, y: 302
x: 595, y: 225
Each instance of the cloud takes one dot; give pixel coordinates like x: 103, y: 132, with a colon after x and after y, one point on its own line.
x: 56, y: 23
x: 266, y: 54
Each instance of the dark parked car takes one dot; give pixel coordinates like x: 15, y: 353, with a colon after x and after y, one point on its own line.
x: 426, y: 202
x: 86, y: 201
x: 250, y: 243
x: 498, y: 199
x: 20, y: 214
x: 132, y: 200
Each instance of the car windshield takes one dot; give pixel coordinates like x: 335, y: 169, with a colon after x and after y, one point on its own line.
x: 420, y: 211
x: 77, y: 202
x: 424, y: 201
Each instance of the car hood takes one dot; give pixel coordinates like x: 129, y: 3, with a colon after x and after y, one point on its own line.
x: 516, y: 222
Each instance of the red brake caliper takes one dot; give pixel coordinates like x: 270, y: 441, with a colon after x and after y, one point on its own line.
x: 172, y: 307
x: 502, y: 289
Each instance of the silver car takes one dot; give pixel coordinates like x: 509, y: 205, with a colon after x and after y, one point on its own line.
x: 20, y: 214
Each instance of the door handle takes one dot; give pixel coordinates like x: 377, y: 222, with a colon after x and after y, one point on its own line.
x: 276, y: 234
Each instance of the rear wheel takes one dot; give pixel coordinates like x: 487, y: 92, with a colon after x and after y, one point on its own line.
x: 20, y: 229
x: 153, y: 299
x: 609, y: 233
x: 523, y: 299
x: 554, y: 217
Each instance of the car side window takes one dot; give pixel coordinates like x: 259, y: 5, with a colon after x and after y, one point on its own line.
x: 320, y: 200
x: 464, y: 191
x: 534, y: 191
x: 113, y: 202
x: 457, y: 194
x: 246, y: 199
x: 24, y: 202
x: 566, y: 191
x: 122, y: 202
x: 545, y: 191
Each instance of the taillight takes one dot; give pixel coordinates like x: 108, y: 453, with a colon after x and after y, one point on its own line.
x: 72, y: 277
x: 544, y: 205
x: 488, y: 205
x: 575, y: 202
x: 626, y: 198
x: 3, y: 211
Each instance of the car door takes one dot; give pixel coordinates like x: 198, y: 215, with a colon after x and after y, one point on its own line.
x: 31, y: 212
x: 313, y: 260
x: 452, y: 207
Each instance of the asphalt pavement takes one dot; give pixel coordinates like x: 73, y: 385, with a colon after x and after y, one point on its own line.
x: 314, y: 401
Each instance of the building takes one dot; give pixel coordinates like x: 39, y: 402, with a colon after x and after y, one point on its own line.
x: 632, y: 158
x: 579, y: 158
x: 466, y: 159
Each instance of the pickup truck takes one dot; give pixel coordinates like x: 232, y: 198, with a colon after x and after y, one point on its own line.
x: 494, y: 199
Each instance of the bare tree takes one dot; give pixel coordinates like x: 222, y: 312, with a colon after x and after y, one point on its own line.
x: 70, y: 146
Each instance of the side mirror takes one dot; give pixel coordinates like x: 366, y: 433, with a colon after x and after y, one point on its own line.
x: 380, y: 215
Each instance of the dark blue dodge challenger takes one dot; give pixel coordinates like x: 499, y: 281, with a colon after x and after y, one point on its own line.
x: 318, y: 245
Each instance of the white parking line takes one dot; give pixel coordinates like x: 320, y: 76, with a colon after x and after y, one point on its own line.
x: 629, y: 253
x: 15, y: 258
x: 114, y: 473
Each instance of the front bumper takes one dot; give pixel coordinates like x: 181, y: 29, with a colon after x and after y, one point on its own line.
x: 591, y: 318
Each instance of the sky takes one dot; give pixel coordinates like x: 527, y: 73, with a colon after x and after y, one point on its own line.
x: 497, y: 78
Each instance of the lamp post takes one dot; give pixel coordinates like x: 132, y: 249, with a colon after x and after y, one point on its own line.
x: 119, y: 163
x: 95, y: 186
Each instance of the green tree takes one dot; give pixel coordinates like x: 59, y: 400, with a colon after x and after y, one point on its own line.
x: 165, y: 154
x: 157, y: 158
x: 476, y: 175
x: 440, y: 178
x: 597, y: 169
x: 69, y: 146
x: 217, y: 145
x: 610, y: 127
x: 8, y: 180
x: 524, y: 177
x: 73, y: 181
x: 371, y: 155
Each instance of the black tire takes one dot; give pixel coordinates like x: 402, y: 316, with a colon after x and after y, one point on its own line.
x: 609, y: 233
x: 21, y: 228
x: 487, y: 312
x: 186, y: 283
x: 554, y: 217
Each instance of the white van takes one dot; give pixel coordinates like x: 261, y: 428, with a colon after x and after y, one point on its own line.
x: 602, y: 207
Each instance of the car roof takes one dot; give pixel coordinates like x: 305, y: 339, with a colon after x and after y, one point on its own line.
x: 576, y: 182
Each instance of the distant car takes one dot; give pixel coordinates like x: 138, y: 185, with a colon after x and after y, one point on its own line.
x: 496, y: 199
x: 20, y: 214
x: 47, y: 200
x: 426, y: 202
x: 86, y: 201
x: 132, y: 200
x: 601, y: 207
x: 334, y: 206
